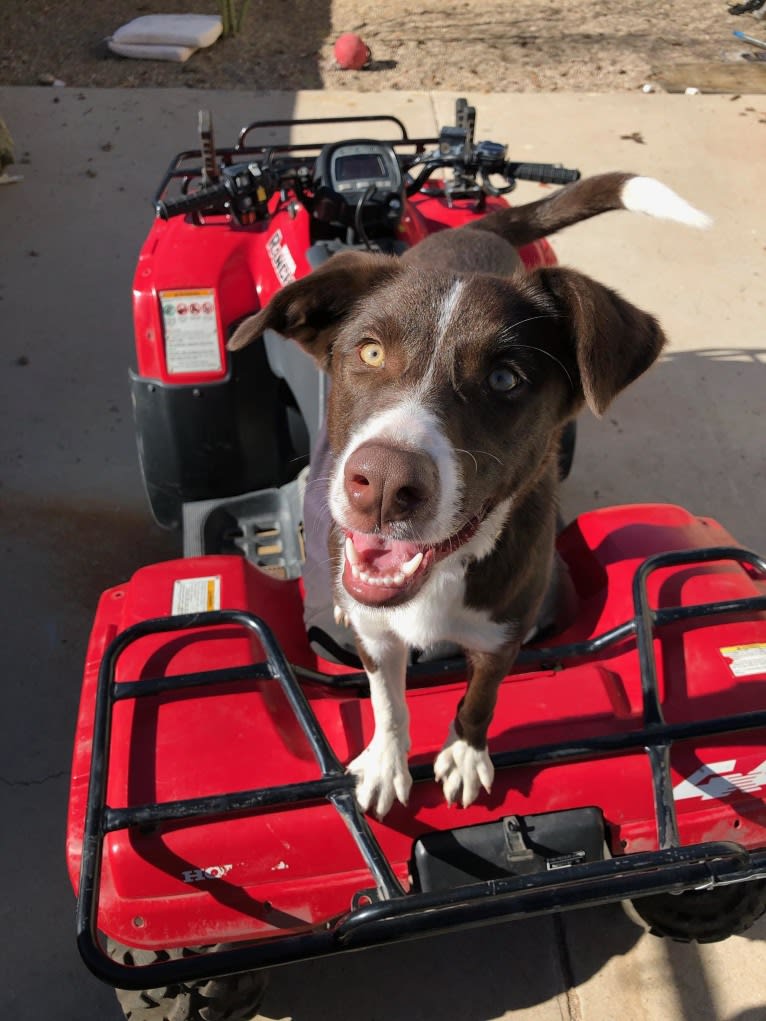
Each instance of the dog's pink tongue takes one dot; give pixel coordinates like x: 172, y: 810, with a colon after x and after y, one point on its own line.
x: 382, y: 554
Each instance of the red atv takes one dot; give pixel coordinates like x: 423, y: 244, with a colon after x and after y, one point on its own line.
x: 213, y: 830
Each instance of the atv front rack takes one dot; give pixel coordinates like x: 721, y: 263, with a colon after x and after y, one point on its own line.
x: 187, y: 166
x: 389, y: 912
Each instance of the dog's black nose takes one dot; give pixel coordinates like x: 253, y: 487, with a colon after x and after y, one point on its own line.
x: 385, y: 484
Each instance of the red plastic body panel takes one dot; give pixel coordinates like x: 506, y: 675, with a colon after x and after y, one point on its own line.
x: 234, y: 263
x: 258, y: 875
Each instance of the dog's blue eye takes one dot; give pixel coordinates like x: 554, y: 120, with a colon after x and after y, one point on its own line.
x: 503, y: 380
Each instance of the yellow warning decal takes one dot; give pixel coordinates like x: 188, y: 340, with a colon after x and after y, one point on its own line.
x: 746, y: 660
x: 196, y: 595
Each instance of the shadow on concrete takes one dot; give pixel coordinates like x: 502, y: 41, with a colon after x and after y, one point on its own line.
x: 689, y: 432
x: 694, y: 987
x: 688, y: 977
x: 73, y: 517
x: 57, y: 557
x: 473, y: 975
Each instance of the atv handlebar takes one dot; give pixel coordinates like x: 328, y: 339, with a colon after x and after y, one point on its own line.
x: 545, y: 173
x: 488, y: 159
x: 243, y: 189
x: 203, y: 198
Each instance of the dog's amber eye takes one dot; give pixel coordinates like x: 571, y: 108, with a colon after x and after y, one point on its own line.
x: 503, y: 380
x: 373, y: 354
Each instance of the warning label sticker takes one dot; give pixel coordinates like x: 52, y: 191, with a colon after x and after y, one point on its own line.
x: 191, y: 331
x: 196, y: 595
x: 746, y: 660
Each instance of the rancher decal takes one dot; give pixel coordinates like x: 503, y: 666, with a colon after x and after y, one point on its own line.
x: 281, y: 258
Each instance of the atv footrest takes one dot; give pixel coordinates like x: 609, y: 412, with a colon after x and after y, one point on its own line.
x: 265, y: 527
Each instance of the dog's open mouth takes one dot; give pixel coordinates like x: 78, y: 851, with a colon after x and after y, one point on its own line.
x: 381, y: 571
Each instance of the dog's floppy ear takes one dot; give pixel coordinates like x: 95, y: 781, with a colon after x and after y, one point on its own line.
x: 613, y: 342
x: 310, y: 310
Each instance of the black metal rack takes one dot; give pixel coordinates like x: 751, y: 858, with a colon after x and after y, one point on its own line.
x: 394, y: 913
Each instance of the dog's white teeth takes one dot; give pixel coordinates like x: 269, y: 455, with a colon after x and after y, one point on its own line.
x: 351, y: 555
x: 411, y: 566
x: 386, y: 580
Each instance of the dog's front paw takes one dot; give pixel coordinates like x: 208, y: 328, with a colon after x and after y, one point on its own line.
x: 462, y: 770
x: 381, y: 775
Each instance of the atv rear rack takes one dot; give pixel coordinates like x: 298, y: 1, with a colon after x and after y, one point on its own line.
x: 389, y: 912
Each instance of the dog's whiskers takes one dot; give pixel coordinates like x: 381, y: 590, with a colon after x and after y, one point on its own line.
x: 553, y: 358
x: 318, y: 479
x: 472, y: 453
x: 459, y: 450
x: 508, y: 331
x: 508, y: 336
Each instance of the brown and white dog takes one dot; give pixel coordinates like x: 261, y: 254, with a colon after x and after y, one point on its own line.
x: 453, y: 373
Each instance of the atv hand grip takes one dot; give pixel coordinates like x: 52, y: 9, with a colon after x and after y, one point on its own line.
x: 545, y: 173
x: 202, y: 199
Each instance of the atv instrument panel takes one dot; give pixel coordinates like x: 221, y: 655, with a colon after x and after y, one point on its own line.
x: 352, y: 168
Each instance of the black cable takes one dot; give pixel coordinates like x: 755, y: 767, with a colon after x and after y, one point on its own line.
x: 358, y: 218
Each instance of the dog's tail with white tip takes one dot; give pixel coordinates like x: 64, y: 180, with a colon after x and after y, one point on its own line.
x: 589, y: 197
x: 647, y: 195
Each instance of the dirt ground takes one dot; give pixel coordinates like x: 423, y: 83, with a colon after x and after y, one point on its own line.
x: 476, y: 45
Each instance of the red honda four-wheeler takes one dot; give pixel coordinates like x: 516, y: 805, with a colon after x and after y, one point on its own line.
x: 213, y: 830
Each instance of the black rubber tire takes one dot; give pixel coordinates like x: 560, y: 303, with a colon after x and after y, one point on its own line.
x: 704, y: 916
x: 232, y: 998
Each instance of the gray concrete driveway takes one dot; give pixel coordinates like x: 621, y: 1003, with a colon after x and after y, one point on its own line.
x: 73, y: 518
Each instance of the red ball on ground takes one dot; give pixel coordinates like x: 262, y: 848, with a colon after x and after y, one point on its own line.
x: 351, y: 51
